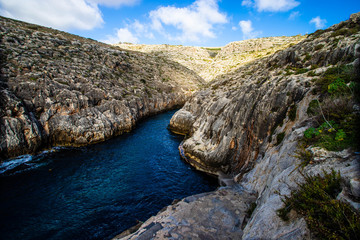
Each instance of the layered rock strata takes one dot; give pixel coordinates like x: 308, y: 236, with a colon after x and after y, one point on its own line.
x: 61, y: 89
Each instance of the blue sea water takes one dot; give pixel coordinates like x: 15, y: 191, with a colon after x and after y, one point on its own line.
x: 98, y: 191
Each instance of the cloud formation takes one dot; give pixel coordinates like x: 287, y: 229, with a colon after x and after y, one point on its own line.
x: 193, y: 22
x: 271, y: 5
x: 319, y: 23
x: 60, y: 14
x: 122, y: 35
x: 294, y: 15
x: 114, y: 3
x: 130, y: 33
x: 248, y: 30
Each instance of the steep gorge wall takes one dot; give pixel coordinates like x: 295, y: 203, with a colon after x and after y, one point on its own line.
x: 61, y: 89
x: 232, y: 122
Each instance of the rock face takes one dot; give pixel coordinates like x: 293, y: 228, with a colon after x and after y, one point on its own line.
x: 249, y: 124
x: 216, y: 215
x: 239, y: 115
x: 61, y: 89
x: 212, y: 62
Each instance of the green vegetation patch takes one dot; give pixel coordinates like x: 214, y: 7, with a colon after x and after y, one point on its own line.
x: 279, y: 138
x: 335, y: 75
x: 304, y: 155
x: 331, y: 135
x: 345, y: 31
x: 313, y: 108
x: 326, y: 217
x: 292, y: 112
x: 318, y: 47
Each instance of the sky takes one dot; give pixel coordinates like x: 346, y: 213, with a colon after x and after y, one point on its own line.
x: 207, y: 23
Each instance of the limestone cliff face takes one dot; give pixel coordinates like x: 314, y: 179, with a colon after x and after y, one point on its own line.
x: 237, y: 117
x: 61, y: 89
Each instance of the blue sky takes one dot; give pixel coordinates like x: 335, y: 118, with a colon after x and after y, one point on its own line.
x: 188, y: 22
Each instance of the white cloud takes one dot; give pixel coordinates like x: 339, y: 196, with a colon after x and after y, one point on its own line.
x: 130, y: 33
x: 60, y: 14
x: 247, y: 3
x: 271, y: 5
x: 114, y: 3
x: 294, y: 15
x: 122, y: 35
x: 234, y: 28
x: 246, y: 26
x: 193, y: 22
x: 248, y: 30
x: 319, y: 23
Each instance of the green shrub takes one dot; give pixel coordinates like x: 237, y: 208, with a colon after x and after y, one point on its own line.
x: 301, y: 70
x: 292, y: 112
x: 312, y: 74
x: 313, y: 108
x: 326, y: 217
x: 345, y: 32
x: 345, y: 73
x: 279, y: 138
x: 304, y: 155
x: 337, y: 87
x: 318, y: 47
x: 333, y: 135
x: 307, y: 57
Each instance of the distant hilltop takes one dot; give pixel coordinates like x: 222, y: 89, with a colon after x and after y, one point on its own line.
x: 214, y: 61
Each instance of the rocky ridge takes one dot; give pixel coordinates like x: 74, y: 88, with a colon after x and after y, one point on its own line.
x: 245, y: 124
x: 209, y: 63
x: 61, y: 89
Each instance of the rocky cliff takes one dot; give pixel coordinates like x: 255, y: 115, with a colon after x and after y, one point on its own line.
x: 61, y: 89
x: 209, y: 63
x: 267, y: 125
x: 234, y: 120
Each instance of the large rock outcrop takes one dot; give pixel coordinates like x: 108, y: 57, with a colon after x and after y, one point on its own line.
x: 61, y: 89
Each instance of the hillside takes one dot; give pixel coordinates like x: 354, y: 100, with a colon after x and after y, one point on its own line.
x: 209, y: 63
x: 61, y: 89
x: 273, y: 131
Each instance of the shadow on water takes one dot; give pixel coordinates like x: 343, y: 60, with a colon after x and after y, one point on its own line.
x: 98, y: 191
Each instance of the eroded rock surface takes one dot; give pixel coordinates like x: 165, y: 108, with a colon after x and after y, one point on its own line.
x: 61, y: 89
x: 216, y: 215
x: 236, y: 117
